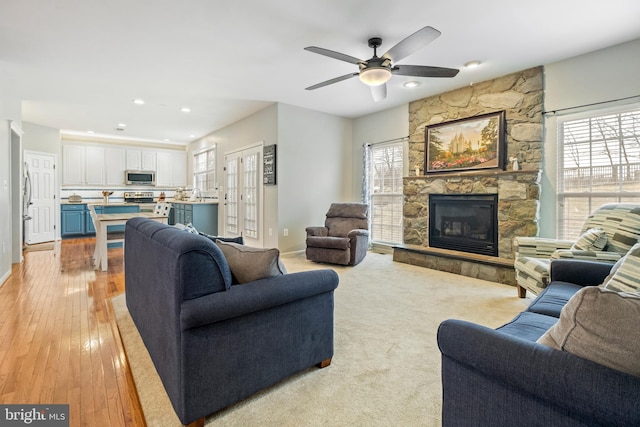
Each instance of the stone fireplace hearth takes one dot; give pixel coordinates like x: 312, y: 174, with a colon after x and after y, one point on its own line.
x: 520, y: 95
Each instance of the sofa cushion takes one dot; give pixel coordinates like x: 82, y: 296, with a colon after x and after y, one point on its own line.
x: 248, y: 263
x: 348, y: 210
x: 342, y: 243
x: 625, y: 274
x: 553, y: 298
x: 599, y: 325
x: 594, y: 239
x: 528, y: 326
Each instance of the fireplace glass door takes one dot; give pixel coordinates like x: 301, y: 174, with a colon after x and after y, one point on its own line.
x: 467, y: 223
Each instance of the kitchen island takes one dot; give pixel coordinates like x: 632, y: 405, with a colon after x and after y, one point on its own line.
x: 75, y: 219
x: 203, y: 215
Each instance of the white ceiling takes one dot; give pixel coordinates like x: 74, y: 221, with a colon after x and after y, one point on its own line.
x: 77, y: 65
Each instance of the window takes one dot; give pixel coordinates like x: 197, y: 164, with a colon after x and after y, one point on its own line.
x: 204, y: 170
x: 598, y: 163
x: 385, y: 189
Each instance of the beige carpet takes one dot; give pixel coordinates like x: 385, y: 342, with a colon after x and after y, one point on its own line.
x: 386, y: 366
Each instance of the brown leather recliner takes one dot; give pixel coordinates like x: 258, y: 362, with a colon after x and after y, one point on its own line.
x: 344, y: 239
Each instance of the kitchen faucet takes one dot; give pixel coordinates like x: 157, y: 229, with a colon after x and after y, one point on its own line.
x: 196, y: 195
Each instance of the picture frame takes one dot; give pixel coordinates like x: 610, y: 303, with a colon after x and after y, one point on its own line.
x: 269, y: 165
x: 471, y: 143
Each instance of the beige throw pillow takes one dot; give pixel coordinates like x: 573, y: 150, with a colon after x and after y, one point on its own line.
x: 625, y: 274
x: 248, y: 264
x: 599, y: 325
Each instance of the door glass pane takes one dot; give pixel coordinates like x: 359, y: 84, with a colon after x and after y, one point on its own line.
x: 232, y: 195
x: 250, y: 192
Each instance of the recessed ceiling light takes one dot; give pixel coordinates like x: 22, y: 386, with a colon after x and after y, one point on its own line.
x: 472, y: 64
x: 185, y: 109
x: 167, y: 140
x: 192, y: 136
x: 412, y: 84
x: 90, y: 131
x: 138, y: 101
x: 122, y: 125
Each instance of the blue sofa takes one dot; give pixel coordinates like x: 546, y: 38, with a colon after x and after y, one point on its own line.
x: 214, y: 343
x: 502, y: 377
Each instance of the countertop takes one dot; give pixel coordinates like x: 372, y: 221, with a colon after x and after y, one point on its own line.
x: 188, y: 202
x: 101, y: 203
x: 94, y: 202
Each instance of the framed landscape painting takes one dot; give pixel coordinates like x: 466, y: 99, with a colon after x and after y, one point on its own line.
x: 466, y: 144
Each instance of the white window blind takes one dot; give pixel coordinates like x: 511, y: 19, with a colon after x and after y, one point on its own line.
x: 385, y: 188
x: 599, y: 163
x: 204, y: 170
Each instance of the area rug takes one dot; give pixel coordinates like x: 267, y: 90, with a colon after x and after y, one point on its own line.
x: 386, y: 366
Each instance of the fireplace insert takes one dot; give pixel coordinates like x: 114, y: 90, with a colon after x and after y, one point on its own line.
x: 464, y: 222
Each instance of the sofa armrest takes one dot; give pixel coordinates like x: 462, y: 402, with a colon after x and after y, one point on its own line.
x: 510, y: 366
x: 255, y: 296
x: 358, y: 232
x: 317, y: 231
x: 539, y: 246
x: 579, y: 272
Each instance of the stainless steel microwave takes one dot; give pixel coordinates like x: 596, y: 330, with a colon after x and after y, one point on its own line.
x: 132, y: 177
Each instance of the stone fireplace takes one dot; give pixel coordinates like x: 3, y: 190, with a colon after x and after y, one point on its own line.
x: 517, y: 192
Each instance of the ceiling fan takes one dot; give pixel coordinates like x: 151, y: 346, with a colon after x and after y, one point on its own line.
x: 376, y: 71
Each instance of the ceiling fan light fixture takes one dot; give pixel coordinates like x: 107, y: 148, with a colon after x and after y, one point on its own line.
x: 375, y: 76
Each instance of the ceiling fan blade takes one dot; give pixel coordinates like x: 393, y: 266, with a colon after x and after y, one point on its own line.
x: 334, y: 55
x: 379, y: 92
x: 332, y: 81
x: 412, y: 43
x: 424, y: 71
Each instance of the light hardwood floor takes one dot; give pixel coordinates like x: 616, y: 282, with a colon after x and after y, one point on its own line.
x: 58, y: 339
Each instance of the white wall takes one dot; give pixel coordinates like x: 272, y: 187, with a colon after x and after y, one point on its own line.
x: 313, y: 167
x: 314, y: 170
x: 600, y: 76
x: 378, y: 127
x: 9, y: 111
x: 258, y: 127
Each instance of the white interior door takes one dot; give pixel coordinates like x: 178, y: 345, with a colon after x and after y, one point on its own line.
x: 244, y: 196
x: 40, y: 184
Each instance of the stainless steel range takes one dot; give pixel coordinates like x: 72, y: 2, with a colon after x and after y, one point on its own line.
x: 138, y: 196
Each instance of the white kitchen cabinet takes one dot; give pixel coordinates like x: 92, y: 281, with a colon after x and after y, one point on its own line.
x: 141, y: 160
x: 83, y: 165
x: 149, y: 161
x: 171, y: 169
x: 94, y: 166
x: 115, y: 165
x: 179, y: 171
x: 73, y: 164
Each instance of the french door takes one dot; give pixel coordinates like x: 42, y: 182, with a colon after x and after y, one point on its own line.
x: 243, y: 195
x: 39, y: 196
